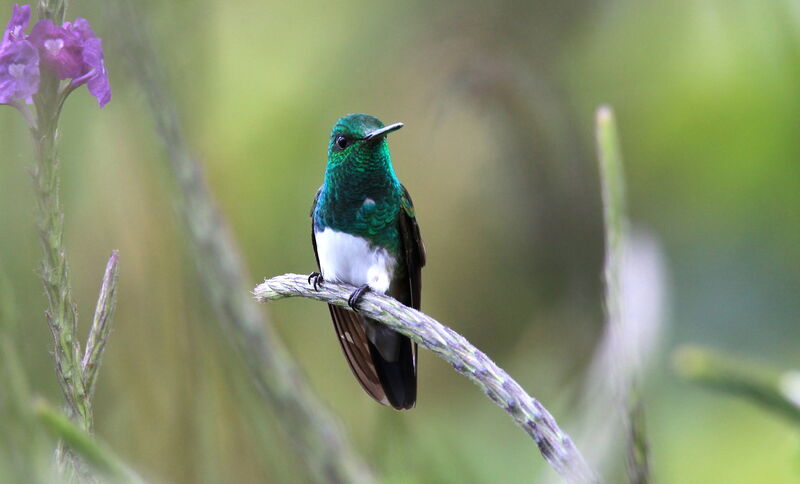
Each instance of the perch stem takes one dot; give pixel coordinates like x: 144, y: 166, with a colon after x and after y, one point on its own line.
x: 527, y: 412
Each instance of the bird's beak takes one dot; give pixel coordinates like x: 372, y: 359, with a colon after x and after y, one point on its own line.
x: 379, y: 133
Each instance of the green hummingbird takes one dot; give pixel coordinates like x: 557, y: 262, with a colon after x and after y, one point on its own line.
x: 365, y: 233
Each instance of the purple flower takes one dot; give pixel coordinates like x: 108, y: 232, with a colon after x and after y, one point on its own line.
x: 80, y: 27
x: 97, y: 77
x: 19, y: 60
x: 15, y: 30
x: 19, y: 71
x: 59, y: 49
x: 72, y: 51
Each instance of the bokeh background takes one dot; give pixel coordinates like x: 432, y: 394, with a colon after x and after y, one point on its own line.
x: 498, y: 152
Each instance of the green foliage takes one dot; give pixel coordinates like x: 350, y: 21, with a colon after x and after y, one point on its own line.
x: 83, y: 444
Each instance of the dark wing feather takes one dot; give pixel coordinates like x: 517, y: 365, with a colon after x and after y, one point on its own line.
x: 352, y: 337
x: 410, y: 292
x: 355, y: 345
x: 414, y: 250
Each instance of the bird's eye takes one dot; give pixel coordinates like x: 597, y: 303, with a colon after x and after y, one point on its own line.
x: 341, y: 142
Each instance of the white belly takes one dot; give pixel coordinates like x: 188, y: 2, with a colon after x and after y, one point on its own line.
x: 347, y: 258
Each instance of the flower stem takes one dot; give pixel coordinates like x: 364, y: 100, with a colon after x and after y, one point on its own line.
x: 53, y: 9
x: 62, y: 315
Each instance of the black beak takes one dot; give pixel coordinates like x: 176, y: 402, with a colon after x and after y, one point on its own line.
x: 379, y: 133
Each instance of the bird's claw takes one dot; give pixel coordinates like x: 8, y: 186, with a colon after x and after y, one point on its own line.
x: 315, y: 280
x: 352, y: 301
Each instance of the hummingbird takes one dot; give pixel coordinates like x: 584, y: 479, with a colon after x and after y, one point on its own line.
x: 365, y: 233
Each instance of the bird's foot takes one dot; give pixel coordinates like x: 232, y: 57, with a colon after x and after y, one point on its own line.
x: 315, y: 280
x: 352, y: 301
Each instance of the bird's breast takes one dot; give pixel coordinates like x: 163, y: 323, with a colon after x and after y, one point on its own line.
x: 349, y: 258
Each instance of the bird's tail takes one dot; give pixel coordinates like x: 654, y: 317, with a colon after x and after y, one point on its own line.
x: 398, y: 376
x: 384, y: 362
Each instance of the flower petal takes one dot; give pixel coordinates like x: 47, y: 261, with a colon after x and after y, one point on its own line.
x: 81, y: 27
x: 15, y: 30
x: 19, y: 71
x: 60, y: 49
x: 98, y: 83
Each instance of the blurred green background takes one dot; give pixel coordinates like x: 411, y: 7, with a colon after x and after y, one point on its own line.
x: 498, y: 152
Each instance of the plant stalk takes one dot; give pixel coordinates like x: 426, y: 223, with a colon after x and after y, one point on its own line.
x: 775, y: 391
x: 528, y: 413
x: 309, y: 425
x: 612, y: 181
x: 62, y: 314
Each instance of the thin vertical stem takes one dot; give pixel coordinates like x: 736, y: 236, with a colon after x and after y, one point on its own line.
x: 62, y: 314
x: 616, y: 226
x: 52, y: 9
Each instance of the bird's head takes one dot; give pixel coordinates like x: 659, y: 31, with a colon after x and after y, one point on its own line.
x: 359, y: 137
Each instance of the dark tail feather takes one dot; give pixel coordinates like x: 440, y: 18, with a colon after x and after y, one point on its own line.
x: 398, y: 378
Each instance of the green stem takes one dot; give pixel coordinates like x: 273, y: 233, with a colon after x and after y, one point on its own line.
x: 62, y: 315
x: 729, y: 374
x: 612, y: 181
x: 52, y: 9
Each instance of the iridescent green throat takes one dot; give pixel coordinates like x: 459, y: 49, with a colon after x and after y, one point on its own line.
x: 361, y: 194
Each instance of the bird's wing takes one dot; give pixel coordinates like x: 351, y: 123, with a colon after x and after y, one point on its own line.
x: 352, y: 337
x: 414, y: 250
x: 410, y: 292
x: 313, y: 236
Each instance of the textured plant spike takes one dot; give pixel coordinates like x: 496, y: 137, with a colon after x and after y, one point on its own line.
x: 527, y: 412
x: 101, y: 325
x: 62, y: 315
